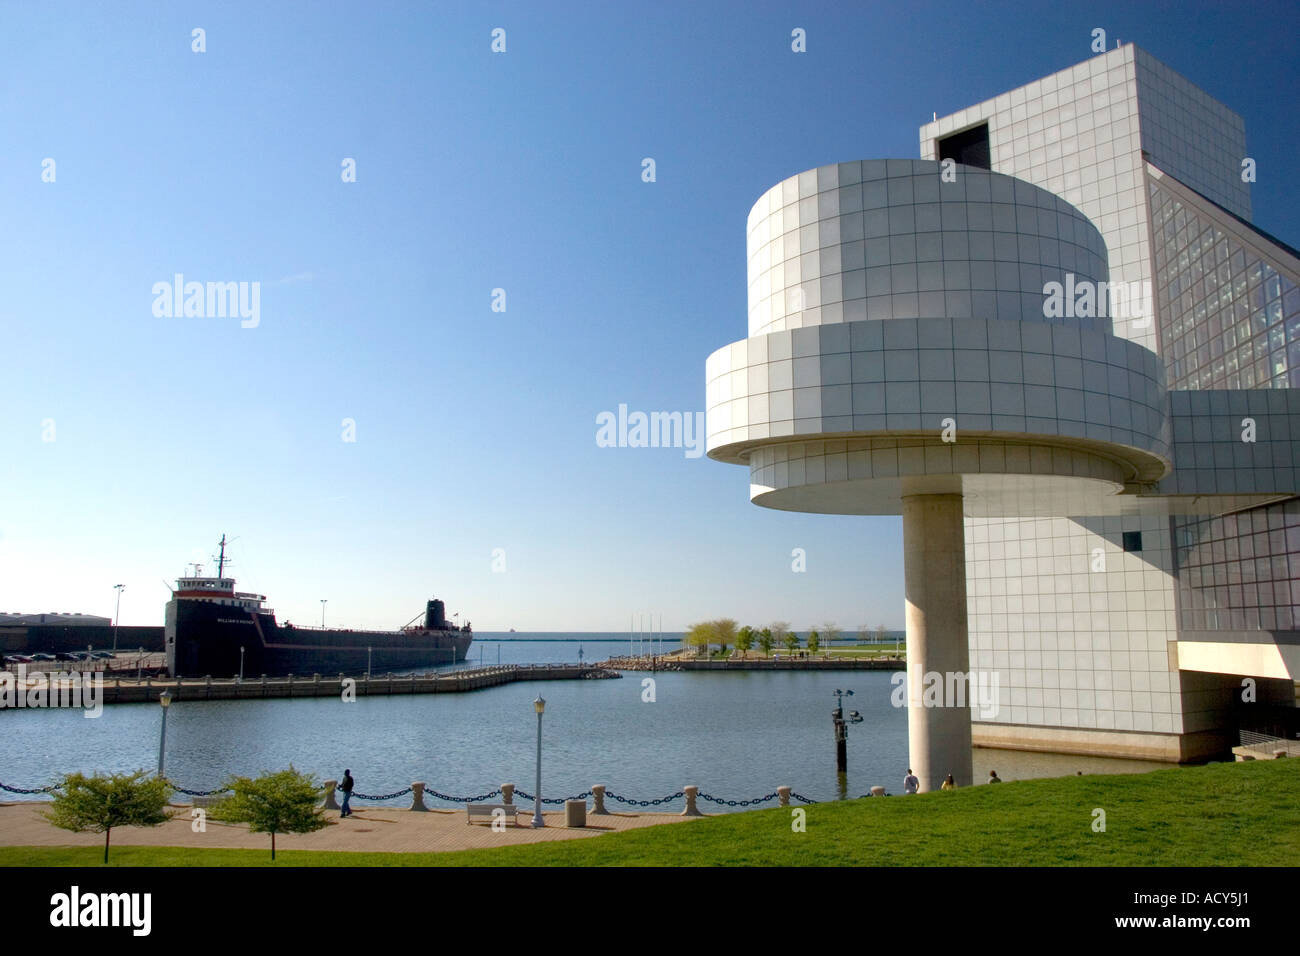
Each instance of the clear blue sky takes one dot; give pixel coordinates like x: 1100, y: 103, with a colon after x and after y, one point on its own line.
x: 475, y: 429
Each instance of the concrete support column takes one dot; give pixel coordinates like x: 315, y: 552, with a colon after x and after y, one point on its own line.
x: 934, y: 568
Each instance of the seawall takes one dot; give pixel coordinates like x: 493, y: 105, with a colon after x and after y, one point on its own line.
x: 118, y: 691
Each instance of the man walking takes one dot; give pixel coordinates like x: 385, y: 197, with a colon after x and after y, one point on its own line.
x: 910, y: 783
x: 346, y: 787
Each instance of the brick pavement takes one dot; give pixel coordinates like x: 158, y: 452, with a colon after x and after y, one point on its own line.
x: 368, y: 829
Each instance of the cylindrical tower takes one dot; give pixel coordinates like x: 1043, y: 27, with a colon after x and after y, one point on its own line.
x: 934, y: 343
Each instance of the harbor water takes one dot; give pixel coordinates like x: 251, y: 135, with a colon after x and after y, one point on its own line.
x: 736, y: 735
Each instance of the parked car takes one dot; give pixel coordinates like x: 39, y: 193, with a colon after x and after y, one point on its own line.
x: 44, y: 657
x: 17, y: 659
x: 70, y: 656
x: 102, y: 656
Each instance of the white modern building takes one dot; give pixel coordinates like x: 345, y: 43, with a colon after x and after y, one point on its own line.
x: 1059, y: 349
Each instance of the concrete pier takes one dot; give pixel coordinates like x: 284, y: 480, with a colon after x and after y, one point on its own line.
x: 934, y: 568
x: 782, y: 663
x: 119, y: 691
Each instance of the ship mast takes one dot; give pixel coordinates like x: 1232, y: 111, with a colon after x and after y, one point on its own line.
x: 221, y: 562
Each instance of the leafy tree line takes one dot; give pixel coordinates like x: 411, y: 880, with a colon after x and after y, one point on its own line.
x: 723, y: 633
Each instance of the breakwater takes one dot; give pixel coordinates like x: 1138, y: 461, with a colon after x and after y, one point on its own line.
x: 753, y: 664
x: 118, y: 691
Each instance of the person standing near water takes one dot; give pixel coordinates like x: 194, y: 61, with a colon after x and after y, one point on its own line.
x: 949, y: 784
x: 346, y: 787
x: 910, y: 783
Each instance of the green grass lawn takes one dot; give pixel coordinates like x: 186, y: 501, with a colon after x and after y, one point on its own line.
x: 1244, y: 814
x: 863, y: 650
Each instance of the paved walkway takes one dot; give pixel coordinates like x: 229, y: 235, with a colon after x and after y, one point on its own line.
x: 374, y: 830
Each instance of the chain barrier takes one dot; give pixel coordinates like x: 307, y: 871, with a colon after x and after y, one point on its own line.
x: 448, y: 797
x: 554, y: 801
x: 385, y: 796
x: 737, y: 803
x: 51, y: 787
x: 646, y: 803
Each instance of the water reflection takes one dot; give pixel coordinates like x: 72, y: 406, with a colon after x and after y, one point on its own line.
x: 736, y: 736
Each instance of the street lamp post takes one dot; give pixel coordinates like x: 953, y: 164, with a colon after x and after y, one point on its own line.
x: 117, y: 613
x: 322, y: 612
x: 369, y: 650
x: 165, y: 698
x: 842, y: 730
x: 539, y: 705
x: 241, y: 663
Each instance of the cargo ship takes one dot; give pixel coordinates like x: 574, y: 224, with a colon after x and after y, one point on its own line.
x: 212, y: 630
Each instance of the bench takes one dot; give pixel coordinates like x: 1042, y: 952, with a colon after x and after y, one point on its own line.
x: 487, y: 810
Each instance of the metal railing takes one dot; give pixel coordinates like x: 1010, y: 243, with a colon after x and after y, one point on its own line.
x: 1268, y: 746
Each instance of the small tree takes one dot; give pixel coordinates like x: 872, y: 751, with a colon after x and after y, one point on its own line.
x: 831, y: 633
x: 100, y: 803
x: 700, y: 636
x: 780, y: 632
x: 814, y: 642
x: 724, y: 632
x: 282, y: 802
x: 791, y: 641
x: 745, y: 639
x: 765, y: 641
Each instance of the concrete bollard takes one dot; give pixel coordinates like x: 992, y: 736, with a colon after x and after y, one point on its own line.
x: 329, y: 803
x: 877, y: 791
x: 598, y: 798
x: 417, y: 797
x: 508, y: 793
x: 691, y: 810
x: 783, y: 796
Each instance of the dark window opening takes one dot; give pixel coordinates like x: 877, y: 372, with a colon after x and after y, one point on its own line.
x: 1132, y: 540
x: 969, y: 147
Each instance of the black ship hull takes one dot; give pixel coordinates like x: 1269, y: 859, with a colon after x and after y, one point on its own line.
x: 204, y: 639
